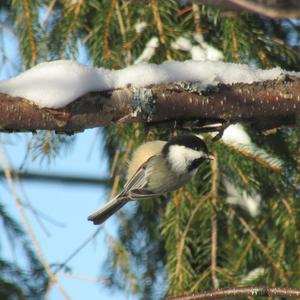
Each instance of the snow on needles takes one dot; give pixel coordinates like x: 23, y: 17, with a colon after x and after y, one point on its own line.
x: 56, y: 84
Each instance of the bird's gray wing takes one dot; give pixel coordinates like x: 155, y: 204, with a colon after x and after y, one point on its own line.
x: 136, y: 187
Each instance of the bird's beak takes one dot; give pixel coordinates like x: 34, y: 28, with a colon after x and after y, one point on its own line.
x: 210, y: 157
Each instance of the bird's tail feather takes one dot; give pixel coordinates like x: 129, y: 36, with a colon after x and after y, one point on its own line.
x: 111, y: 207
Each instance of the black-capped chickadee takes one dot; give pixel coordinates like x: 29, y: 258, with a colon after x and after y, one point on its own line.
x: 156, y: 168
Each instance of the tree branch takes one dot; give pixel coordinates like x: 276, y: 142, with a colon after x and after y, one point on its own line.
x: 270, y: 8
x: 268, y: 104
x: 214, y: 220
x: 242, y: 292
x: 60, y: 178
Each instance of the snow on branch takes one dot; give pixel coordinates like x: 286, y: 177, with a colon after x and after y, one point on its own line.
x: 69, y: 97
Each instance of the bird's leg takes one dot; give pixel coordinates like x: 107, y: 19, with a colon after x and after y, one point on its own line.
x: 221, y: 130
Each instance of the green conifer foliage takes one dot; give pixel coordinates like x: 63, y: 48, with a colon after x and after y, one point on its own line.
x: 192, y: 239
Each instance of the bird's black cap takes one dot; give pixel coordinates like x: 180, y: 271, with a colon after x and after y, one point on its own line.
x: 190, y: 141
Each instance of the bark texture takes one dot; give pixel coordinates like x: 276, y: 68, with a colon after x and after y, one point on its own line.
x: 244, y: 292
x: 266, y: 104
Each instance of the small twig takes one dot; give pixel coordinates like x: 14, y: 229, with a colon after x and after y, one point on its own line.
x: 30, y: 206
x: 123, y: 260
x: 263, y: 248
x: 48, y: 13
x: 78, y: 249
x: 31, y: 37
x: 28, y: 203
x: 107, y: 52
x: 267, y: 10
x: 184, y: 11
x: 121, y: 22
x: 242, y: 292
x: 214, y: 222
x: 61, y: 178
x: 85, y: 277
x: 241, y: 258
x: 95, y: 233
x: 125, y: 5
x: 114, y: 162
x: 201, y: 278
x: 28, y: 227
x: 48, y: 290
x: 197, y: 20
x: 183, y: 238
x: 235, y: 48
x: 160, y: 27
x: 7, y: 29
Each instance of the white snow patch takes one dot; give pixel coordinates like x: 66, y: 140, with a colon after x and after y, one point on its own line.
x: 55, y: 84
x: 140, y: 26
x: 236, y: 134
x: 211, y: 52
x: 202, y: 52
x: 253, y: 275
x: 198, y: 53
x: 182, y: 43
x: 149, y: 51
x: 250, y: 201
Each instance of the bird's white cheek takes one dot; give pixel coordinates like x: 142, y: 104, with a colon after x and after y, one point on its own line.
x: 176, y: 157
x: 180, y: 158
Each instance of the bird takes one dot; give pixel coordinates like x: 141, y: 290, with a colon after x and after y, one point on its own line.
x: 157, y: 167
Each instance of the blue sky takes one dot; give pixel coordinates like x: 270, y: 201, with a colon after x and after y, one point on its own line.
x: 69, y: 204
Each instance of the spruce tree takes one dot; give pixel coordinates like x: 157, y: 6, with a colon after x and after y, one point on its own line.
x: 202, y: 236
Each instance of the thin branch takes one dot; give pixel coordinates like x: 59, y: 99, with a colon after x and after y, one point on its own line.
x: 273, y: 8
x: 159, y: 25
x: 85, y: 277
x: 30, y: 206
x: 197, y: 20
x: 214, y: 221
x: 242, y: 292
x: 269, y: 10
x: 28, y: 227
x: 183, y: 238
x: 96, y: 232
x: 7, y: 29
x: 121, y: 22
x: 31, y: 37
x: 107, y: 52
x: 263, y: 248
x: 26, y: 202
x: 248, y: 246
x: 78, y: 249
x: 123, y: 261
x: 48, y: 290
x: 60, y: 178
x: 48, y: 13
x: 266, y: 104
x: 200, y: 279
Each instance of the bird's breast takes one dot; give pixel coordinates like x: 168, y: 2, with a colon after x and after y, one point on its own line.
x: 162, y: 179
